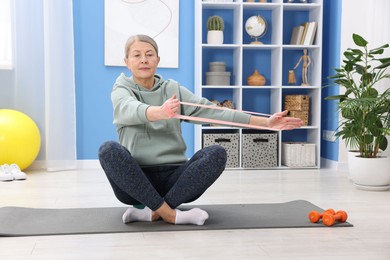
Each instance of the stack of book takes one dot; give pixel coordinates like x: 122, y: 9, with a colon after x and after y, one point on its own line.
x: 304, y: 34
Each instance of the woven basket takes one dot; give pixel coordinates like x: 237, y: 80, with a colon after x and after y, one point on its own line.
x: 303, y: 115
x: 296, y: 102
x: 298, y: 154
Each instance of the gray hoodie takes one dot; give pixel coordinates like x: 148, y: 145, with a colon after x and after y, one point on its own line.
x: 159, y: 142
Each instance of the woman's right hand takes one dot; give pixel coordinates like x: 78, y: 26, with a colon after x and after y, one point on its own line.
x: 166, y: 111
x: 170, y: 107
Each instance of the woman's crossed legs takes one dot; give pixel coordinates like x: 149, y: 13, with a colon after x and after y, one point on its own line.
x: 163, y: 188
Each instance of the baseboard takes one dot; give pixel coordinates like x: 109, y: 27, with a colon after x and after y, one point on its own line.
x: 94, y: 164
x: 88, y: 164
x: 37, y: 165
x: 342, y: 167
x: 335, y: 165
x: 328, y: 164
x: 79, y: 164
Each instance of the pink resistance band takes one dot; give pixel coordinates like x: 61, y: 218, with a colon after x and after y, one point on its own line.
x: 221, y: 122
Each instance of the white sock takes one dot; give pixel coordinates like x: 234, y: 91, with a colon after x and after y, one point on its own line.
x: 134, y: 214
x: 194, y: 216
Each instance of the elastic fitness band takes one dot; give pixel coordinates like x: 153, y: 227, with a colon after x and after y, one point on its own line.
x: 221, y: 122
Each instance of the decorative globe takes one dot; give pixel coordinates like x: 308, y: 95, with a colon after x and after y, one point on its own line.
x: 256, y: 27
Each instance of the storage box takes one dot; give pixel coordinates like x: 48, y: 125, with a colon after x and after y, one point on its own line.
x: 228, y: 141
x: 217, y: 66
x: 296, y: 154
x: 303, y: 115
x: 260, y: 150
x: 218, y: 78
x: 296, y: 102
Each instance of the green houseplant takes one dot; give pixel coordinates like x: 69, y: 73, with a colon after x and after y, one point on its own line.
x: 215, y: 27
x: 365, y: 123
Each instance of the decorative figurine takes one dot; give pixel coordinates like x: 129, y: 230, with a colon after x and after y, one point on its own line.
x: 306, y: 63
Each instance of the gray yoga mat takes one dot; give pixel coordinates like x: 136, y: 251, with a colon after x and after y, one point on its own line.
x: 17, y: 221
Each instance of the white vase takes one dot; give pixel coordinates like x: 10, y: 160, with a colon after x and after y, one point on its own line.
x: 215, y: 37
x: 370, y: 173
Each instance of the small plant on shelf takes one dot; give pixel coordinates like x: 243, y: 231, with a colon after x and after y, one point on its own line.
x: 215, y: 23
x: 215, y: 26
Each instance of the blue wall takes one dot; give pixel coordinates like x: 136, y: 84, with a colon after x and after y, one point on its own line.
x: 94, y: 80
x: 330, y: 60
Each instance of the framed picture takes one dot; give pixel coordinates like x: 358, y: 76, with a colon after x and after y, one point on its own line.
x: 158, y: 19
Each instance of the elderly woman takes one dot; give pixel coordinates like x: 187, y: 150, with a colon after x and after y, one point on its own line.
x: 148, y: 167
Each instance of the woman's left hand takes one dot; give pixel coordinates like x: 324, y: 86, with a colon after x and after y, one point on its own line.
x: 281, y: 122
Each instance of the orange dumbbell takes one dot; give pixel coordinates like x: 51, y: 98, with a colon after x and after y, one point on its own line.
x: 315, y: 216
x: 330, y: 219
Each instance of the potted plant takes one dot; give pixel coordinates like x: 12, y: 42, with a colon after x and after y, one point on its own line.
x: 365, y: 123
x: 215, y: 26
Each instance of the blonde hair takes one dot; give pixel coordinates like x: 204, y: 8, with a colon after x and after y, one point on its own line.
x: 141, y: 38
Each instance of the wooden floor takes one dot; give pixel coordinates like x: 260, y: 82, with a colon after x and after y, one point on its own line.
x: 368, y: 211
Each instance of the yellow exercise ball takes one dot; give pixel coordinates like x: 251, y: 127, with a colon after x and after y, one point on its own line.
x: 20, y: 139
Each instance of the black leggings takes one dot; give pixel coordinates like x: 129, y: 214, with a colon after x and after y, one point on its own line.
x: 151, y: 186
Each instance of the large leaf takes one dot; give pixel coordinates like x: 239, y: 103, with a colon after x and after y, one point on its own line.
x: 379, y: 48
x: 336, y: 76
x: 359, y: 40
x: 378, y: 51
x: 368, y: 139
x: 385, y: 64
x: 383, y: 144
x: 356, y: 51
x: 367, y: 78
x: 338, y: 97
x: 360, y: 69
x: 374, y: 125
x: 344, y: 82
x: 372, y: 93
x: 384, y: 60
x: 349, y: 55
x: 348, y: 66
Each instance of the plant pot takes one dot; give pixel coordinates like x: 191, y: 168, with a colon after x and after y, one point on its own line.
x: 215, y: 37
x: 370, y: 173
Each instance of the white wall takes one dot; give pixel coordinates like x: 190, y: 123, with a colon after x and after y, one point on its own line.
x: 370, y: 19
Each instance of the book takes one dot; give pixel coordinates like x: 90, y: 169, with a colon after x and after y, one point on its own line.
x: 311, y: 33
x: 296, y: 35
x: 305, y: 25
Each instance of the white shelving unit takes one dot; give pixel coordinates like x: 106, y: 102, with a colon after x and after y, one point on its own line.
x: 273, y: 60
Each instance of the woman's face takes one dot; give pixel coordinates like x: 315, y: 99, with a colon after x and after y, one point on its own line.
x: 142, y: 60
